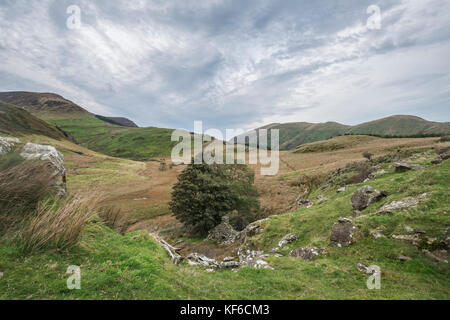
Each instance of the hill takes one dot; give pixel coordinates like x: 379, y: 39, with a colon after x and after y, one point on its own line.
x: 401, y: 126
x: 295, y: 134
x: 16, y: 122
x: 46, y: 106
x: 113, y: 136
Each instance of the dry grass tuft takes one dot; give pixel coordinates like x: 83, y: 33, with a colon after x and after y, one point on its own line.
x: 58, y: 223
x: 114, y: 218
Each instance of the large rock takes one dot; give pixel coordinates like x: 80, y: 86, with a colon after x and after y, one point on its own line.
x: 6, y: 144
x: 306, y: 253
x: 224, y: 232
x: 403, y: 166
x: 364, y: 196
x: 51, y: 155
x: 342, y: 232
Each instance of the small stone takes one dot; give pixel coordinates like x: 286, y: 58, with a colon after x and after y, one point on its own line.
x: 362, y: 268
x: 342, y: 189
x: 420, y: 231
x: 289, y: 238
x: 274, y: 250
x: 404, y: 258
x: 209, y: 270
x: 1, y: 275
x: 409, y: 229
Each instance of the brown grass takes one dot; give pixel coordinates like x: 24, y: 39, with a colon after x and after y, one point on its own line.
x: 58, y: 223
x: 115, y: 219
x: 22, y: 185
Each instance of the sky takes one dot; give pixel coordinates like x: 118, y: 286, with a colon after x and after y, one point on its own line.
x: 232, y: 64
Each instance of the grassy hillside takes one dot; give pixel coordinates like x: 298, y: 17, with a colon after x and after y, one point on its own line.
x: 102, y: 136
x: 17, y: 122
x: 119, y: 141
x: 401, y: 126
x: 135, y: 267
x: 295, y: 134
x: 46, y: 106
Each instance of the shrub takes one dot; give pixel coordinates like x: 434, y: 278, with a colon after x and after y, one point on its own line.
x: 204, y: 193
x: 367, y: 155
x: 58, y: 223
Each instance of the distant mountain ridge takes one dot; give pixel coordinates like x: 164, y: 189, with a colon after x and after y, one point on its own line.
x: 294, y: 134
x: 124, y: 122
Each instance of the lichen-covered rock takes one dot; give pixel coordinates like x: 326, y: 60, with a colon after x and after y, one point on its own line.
x: 403, y: 166
x: 6, y: 144
x: 342, y: 232
x: 223, y: 233
x: 52, y: 156
x: 364, y: 196
x: 306, y: 253
x: 289, y: 238
x: 404, y: 203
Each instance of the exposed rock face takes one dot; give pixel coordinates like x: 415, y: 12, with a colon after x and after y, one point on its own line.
x: 342, y: 232
x: 289, y: 238
x: 438, y: 255
x: 305, y: 203
x: 403, y: 166
x: 364, y: 196
x: 401, y: 204
x: 50, y: 154
x: 306, y: 253
x: 224, y: 232
x: 436, y: 160
x: 6, y: 144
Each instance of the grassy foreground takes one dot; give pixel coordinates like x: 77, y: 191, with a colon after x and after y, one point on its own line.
x: 135, y: 267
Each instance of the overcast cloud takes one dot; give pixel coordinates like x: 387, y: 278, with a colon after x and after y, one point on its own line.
x: 232, y: 63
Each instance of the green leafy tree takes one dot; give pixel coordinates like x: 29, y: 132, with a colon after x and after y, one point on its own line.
x: 204, y: 193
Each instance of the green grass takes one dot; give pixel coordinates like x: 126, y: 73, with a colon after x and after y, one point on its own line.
x: 122, y: 267
x: 17, y: 122
x: 119, y: 141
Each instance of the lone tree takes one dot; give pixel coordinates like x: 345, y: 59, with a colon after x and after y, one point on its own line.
x: 205, y: 193
x: 367, y: 155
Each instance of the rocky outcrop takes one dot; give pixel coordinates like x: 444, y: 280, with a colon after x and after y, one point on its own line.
x: 52, y: 156
x: 364, y: 196
x: 404, y: 203
x: 306, y: 253
x: 224, y: 232
x: 342, y: 232
x: 253, y: 259
x: 403, y: 166
x: 7, y: 143
x: 289, y: 238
